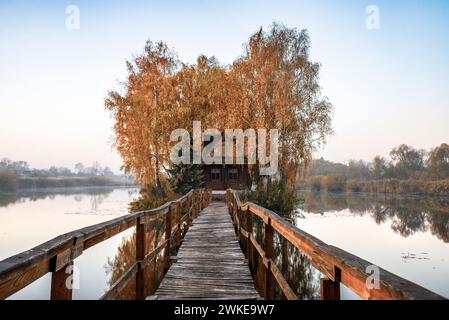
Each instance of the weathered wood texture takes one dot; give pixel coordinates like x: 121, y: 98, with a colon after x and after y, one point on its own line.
x: 55, y: 255
x: 336, y: 264
x: 210, y: 263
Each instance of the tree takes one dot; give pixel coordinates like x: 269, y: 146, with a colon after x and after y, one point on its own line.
x: 409, y: 162
x: 144, y: 113
x: 358, y: 170
x: 79, y: 168
x: 107, y: 172
x: 53, y: 171
x: 438, y: 162
x: 278, y: 88
x: 185, y: 177
x: 379, y: 167
x: 96, y: 168
x: 274, y: 85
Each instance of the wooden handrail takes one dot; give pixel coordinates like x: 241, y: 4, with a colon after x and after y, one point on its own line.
x: 336, y: 264
x: 56, y: 255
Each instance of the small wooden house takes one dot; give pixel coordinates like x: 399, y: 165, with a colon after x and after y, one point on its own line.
x: 224, y: 176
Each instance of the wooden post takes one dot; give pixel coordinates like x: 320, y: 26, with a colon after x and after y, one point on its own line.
x: 190, y: 209
x: 194, y: 205
x: 168, y: 228
x: 234, y: 211
x: 284, y: 253
x: 237, y: 224
x: 269, y: 253
x: 140, y: 255
x: 61, y: 283
x: 249, y: 244
x: 330, y: 290
x: 178, y: 221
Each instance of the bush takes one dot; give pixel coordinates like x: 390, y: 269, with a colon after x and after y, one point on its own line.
x: 276, y: 196
x: 150, y: 198
x: 336, y: 183
x: 315, y: 183
x: 353, y: 186
x: 8, y: 181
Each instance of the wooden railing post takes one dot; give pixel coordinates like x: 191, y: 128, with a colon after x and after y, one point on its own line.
x: 178, y: 223
x: 269, y: 254
x: 140, y: 255
x: 190, y: 209
x: 62, y: 282
x: 330, y: 290
x: 249, y: 244
x: 194, y: 204
x: 168, y: 227
x: 238, y: 222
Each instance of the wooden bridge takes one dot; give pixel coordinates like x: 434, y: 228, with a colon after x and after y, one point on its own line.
x: 210, y: 250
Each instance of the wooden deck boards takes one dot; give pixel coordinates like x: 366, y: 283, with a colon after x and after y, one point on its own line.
x: 210, y: 263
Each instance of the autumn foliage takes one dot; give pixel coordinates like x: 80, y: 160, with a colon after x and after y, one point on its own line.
x: 272, y: 85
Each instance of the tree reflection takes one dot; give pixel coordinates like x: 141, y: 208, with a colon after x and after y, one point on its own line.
x: 407, y: 214
x: 126, y: 257
x: 97, y: 195
x: 296, y: 268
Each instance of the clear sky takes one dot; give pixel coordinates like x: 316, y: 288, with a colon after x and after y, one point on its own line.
x: 388, y: 86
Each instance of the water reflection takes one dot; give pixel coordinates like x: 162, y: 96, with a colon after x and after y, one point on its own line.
x: 377, y: 228
x: 125, y: 259
x: 7, y: 199
x: 406, y: 215
x: 28, y: 219
x: 296, y: 268
x: 348, y: 221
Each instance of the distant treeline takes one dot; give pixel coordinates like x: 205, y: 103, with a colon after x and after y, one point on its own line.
x: 22, y: 168
x: 10, y: 182
x: 409, y: 171
x: 16, y: 175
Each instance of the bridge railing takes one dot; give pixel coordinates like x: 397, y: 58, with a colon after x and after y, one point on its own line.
x: 337, y: 265
x: 57, y: 255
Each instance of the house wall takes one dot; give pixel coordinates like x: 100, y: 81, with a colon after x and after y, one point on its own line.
x: 224, y: 180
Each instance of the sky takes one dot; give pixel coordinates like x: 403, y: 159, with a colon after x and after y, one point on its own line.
x: 388, y: 85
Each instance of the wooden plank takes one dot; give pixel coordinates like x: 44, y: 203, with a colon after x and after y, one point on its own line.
x: 330, y: 290
x: 210, y: 263
x: 20, y: 270
x: 61, y: 283
x: 269, y: 255
x: 118, y: 286
x: 335, y: 263
x: 283, y: 284
x: 140, y: 255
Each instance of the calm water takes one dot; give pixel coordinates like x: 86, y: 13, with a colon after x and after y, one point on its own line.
x: 408, y: 236
x: 28, y: 219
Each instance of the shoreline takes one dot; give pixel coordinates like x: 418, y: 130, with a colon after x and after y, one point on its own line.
x: 68, y: 188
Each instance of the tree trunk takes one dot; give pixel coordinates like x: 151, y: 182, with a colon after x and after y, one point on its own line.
x: 159, y: 188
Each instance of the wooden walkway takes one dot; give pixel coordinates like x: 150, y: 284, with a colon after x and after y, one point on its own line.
x: 210, y: 263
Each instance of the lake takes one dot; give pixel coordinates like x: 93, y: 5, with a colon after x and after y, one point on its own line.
x: 30, y: 218
x: 408, y: 236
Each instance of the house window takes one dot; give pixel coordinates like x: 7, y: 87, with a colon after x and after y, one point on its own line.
x: 215, y: 174
x: 233, y: 174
